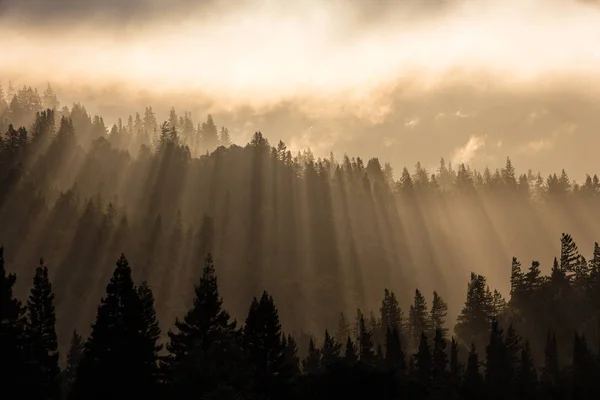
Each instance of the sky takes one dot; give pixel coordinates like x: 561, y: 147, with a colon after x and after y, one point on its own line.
x: 405, y: 81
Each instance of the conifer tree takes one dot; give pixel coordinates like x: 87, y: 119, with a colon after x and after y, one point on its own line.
x: 343, y: 329
x: 42, y: 344
x: 583, y: 370
x: 526, y: 375
x: 365, y: 343
x: 440, y: 361
x: 118, y: 353
x: 473, y: 322
x: 497, y: 364
x: 149, y: 320
x: 201, y: 347
x: 550, y: 371
x: 12, y: 320
x: 224, y: 137
x: 350, y: 353
x: 312, y: 363
x: 74, y: 356
x: 263, y: 342
x: 423, y: 362
x: 418, y: 319
x: 517, y: 280
x: 513, y: 350
x: 439, y: 310
x: 472, y: 387
x: 394, y: 356
x: 392, y: 316
x: 569, y: 255
x: 456, y: 369
x: 292, y: 362
x: 330, y: 351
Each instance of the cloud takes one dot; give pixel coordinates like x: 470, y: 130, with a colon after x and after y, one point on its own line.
x: 107, y: 11
x: 536, y: 146
x: 466, y: 153
x: 411, y: 123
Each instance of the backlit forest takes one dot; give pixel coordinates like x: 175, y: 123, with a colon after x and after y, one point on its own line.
x: 245, y: 270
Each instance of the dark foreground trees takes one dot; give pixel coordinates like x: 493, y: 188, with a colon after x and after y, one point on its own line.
x: 496, y: 353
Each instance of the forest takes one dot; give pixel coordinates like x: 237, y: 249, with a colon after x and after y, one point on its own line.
x: 336, y: 279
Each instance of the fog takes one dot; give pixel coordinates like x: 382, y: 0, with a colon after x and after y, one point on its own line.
x: 403, y: 81
x: 369, y: 78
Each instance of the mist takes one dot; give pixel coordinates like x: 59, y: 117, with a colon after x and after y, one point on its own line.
x: 366, y: 78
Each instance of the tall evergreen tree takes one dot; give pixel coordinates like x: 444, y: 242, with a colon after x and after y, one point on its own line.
x: 418, y: 320
x: 394, y: 356
x: 343, y: 329
x: 12, y: 321
x: 439, y: 370
x: 526, y: 375
x: 497, y: 365
x: 472, y: 387
x: 439, y: 310
x: 263, y: 342
x: 330, y: 351
x: 202, y: 349
x: 292, y: 362
x: 74, y: 356
x: 350, y: 353
x: 42, y: 344
x: 118, y: 360
x: 423, y: 362
x: 312, y: 363
x: 365, y: 343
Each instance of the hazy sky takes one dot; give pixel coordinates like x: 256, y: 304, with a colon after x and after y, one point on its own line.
x: 403, y: 80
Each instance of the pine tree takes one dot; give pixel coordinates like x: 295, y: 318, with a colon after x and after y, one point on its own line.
x: 439, y: 310
x: 204, y: 342
x: 440, y: 364
x: 292, y: 362
x: 224, y: 137
x: 150, y: 326
x: 394, y: 356
x: 456, y: 369
x: 526, y: 375
x: 118, y: 353
x: 312, y: 363
x: 550, y: 371
x: 74, y: 356
x: 472, y: 387
x: 209, y: 134
x: 584, y: 384
x: 473, y: 322
x: 365, y: 343
x: 350, y: 353
x: 517, y: 281
x: 42, y: 344
x: 569, y: 255
x: 423, y: 364
x: 513, y: 350
x: 12, y: 321
x: 330, y: 351
x: 497, y: 364
x: 343, y: 329
x: 417, y: 318
x: 392, y: 316
x: 263, y: 342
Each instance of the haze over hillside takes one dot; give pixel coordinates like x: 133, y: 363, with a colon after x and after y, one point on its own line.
x: 405, y: 81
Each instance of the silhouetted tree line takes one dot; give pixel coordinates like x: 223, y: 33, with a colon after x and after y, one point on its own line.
x: 534, y: 346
